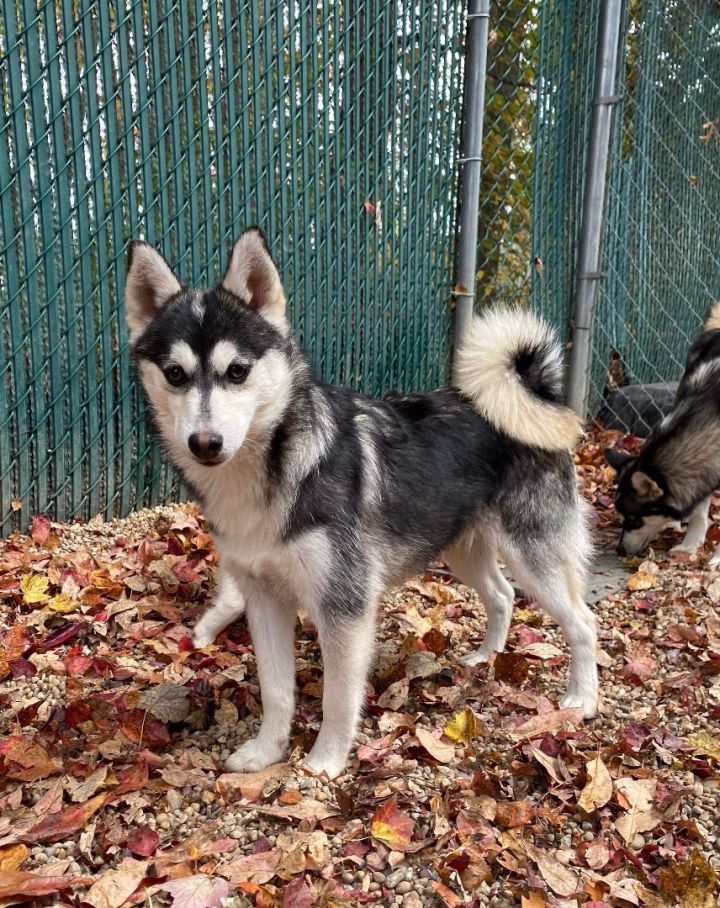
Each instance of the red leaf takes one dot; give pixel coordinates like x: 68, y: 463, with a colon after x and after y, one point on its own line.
x: 513, y: 813
x: 143, y: 728
x: 77, y: 665
x: 143, y: 841
x: 22, y: 668
x: 40, y: 529
x: 61, y: 636
x: 133, y: 779
x: 65, y: 823
x: 298, y: 895
x: 20, y: 882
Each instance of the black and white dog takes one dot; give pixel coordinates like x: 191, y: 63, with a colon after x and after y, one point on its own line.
x: 674, y: 476
x: 321, y: 499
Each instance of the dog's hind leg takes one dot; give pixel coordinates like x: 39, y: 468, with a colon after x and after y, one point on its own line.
x: 272, y: 627
x: 476, y: 566
x: 228, y: 605
x: 696, y: 529
x: 556, y: 583
x: 347, y: 649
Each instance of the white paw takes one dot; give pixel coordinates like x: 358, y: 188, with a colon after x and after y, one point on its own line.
x: 254, y: 755
x: 683, y: 547
x: 588, y: 703
x: 714, y: 560
x: 203, y: 635
x: 323, y: 761
x: 476, y: 657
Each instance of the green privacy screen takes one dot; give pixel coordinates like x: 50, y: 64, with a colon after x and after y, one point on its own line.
x: 334, y: 126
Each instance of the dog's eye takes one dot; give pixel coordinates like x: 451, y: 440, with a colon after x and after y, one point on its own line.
x: 237, y: 372
x: 174, y: 375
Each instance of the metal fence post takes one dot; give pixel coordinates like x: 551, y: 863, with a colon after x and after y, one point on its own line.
x: 476, y: 38
x: 594, y: 204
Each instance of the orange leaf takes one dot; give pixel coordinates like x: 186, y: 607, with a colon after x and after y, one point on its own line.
x: 63, y: 824
x: 392, y: 827
x: 513, y: 813
x: 31, y: 885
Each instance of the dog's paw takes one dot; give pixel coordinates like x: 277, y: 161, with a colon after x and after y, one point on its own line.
x: 476, y: 657
x: 588, y: 703
x: 253, y: 756
x: 714, y: 561
x: 682, y: 548
x: 319, y: 762
x: 203, y: 636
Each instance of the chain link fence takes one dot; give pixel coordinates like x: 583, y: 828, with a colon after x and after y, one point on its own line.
x: 662, y: 242
x: 332, y: 127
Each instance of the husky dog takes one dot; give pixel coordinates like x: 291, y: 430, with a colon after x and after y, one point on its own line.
x: 673, y: 478
x: 321, y: 499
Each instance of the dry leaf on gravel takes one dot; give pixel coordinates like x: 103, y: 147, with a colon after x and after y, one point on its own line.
x: 197, y: 891
x: 599, y: 787
x: 167, y: 702
x: 115, y: 887
x: 561, y: 879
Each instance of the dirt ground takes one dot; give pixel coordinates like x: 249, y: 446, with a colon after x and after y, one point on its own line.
x: 468, y: 786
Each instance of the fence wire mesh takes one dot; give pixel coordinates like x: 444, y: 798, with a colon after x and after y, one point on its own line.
x: 662, y: 247
x: 332, y: 127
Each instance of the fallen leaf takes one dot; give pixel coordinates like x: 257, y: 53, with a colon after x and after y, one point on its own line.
x: 198, y: 891
x: 232, y: 786
x: 641, y: 815
x: 705, y: 743
x: 512, y: 814
x: 34, y: 588
x: 463, y: 727
x: 392, y: 827
x: 252, y: 868
x: 64, y: 823
x: 143, y: 841
x: 115, y: 887
x: 641, y: 581
x: 439, y: 750
x: 12, y: 857
x: 548, y: 723
x: 690, y: 883
x: 395, y: 695
x: 598, y: 788
x: 33, y: 885
x: 511, y: 668
x: 597, y: 855
x: 561, y: 879
x: 40, y: 529
x: 27, y: 760
x: 167, y: 702
x: 144, y: 728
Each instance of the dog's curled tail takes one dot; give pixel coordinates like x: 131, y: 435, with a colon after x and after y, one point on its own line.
x: 510, y: 366
x: 712, y: 322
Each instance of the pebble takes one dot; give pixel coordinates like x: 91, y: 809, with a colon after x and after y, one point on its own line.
x: 392, y: 879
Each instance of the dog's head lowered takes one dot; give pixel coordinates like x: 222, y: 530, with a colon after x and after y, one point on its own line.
x: 641, y: 501
x: 212, y: 362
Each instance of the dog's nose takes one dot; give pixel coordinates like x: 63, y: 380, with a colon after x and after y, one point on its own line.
x: 205, y: 445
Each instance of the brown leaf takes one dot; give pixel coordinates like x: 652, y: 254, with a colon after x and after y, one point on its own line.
x: 439, y: 750
x: 395, y: 695
x: 561, y: 879
x: 252, y: 868
x: 511, y: 668
x: 28, y: 761
x: 690, y: 883
x: 641, y: 815
x: 32, y: 885
x: 392, y: 827
x: 232, y: 786
x: 548, y: 723
x: 115, y: 887
x: 511, y: 814
x: 598, y: 788
x: 198, y: 891
x: 167, y: 702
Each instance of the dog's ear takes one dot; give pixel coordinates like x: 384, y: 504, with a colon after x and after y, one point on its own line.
x: 646, y: 488
x: 252, y: 277
x: 149, y: 284
x: 616, y: 458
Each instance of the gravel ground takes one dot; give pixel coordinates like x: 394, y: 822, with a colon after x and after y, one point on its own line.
x: 468, y: 810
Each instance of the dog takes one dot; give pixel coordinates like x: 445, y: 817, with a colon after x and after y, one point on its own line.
x: 673, y: 478
x: 321, y: 499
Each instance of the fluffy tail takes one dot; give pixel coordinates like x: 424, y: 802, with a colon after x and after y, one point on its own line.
x: 712, y: 323
x: 510, y: 366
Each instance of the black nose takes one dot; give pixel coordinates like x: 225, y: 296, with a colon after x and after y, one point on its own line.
x: 205, y: 445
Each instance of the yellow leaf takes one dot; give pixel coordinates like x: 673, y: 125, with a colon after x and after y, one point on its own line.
x: 12, y: 857
x: 705, y: 743
x: 62, y: 604
x: 641, y: 581
x: 463, y: 726
x: 34, y: 588
x: 690, y: 884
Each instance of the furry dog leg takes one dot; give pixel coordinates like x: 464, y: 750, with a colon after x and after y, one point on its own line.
x: 697, y: 528
x: 477, y: 567
x: 272, y: 627
x: 346, y: 652
x: 556, y: 586
x: 228, y: 606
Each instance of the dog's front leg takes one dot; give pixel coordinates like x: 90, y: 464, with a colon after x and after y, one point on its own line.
x: 697, y: 528
x: 228, y: 605
x: 272, y: 627
x: 347, y: 649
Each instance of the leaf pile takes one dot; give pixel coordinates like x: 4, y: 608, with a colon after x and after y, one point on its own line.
x: 466, y: 785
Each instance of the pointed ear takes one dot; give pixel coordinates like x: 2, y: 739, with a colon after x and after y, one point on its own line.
x: 149, y: 284
x: 252, y: 276
x: 645, y: 487
x: 616, y: 458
